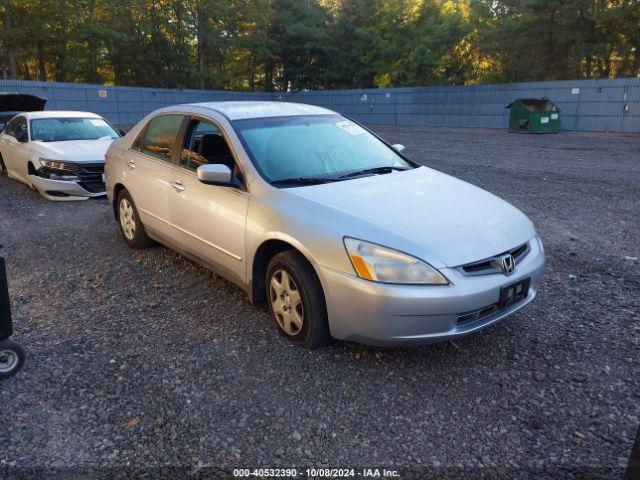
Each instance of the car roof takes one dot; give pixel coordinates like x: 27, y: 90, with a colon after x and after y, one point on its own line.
x: 241, y: 110
x: 61, y: 114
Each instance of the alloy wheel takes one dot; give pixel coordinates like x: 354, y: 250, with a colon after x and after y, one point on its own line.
x: 127, y: 219
x: 286, y: 302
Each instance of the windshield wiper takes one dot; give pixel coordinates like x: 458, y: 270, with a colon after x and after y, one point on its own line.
x: 385, y: 169
x: 302, y: 181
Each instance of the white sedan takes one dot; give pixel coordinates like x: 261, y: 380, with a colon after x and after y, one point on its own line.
x: 60, y: 154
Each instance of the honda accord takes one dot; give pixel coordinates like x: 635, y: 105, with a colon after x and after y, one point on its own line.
x: 342, y: 235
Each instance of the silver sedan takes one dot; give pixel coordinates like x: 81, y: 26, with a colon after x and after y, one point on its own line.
x: 336, y: 230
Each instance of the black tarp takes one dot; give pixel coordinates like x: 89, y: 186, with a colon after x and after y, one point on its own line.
x: 19, y: 102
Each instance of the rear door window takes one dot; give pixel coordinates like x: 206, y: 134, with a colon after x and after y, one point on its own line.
x: 159, y: 136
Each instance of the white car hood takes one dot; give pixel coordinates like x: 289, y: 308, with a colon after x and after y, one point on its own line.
x: 74, y: 150
x: 447, y: 218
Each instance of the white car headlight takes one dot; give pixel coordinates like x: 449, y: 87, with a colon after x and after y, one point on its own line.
x: 381, y: 264
x: 58, y: 165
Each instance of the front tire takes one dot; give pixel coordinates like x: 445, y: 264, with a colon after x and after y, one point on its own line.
x: 3, y: 168
x: 296, y: 300
x: 31, y: 170
x: 11, y: 358
x: 130, y: 225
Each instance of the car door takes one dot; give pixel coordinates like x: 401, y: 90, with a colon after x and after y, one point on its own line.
x: 14, y: 146
x: 147, y: 171
x: 209, y: 219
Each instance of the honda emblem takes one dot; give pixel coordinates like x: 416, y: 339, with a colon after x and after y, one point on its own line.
x: 507, y: 264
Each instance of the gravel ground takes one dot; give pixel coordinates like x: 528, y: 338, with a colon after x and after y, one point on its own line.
x: 144, y: 359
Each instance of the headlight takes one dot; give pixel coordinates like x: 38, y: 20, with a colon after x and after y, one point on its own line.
x: 381, y: 264
x: 57, y: 170
x: 58, y: 165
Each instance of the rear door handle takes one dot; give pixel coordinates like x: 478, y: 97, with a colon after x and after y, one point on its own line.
x: 179, y: 186
x: 132, y: 164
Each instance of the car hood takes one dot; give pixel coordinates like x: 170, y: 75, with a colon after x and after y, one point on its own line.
x: 433, y: 215
x: 74, y: 150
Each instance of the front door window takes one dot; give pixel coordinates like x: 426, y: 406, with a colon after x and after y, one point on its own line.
x: 203, y: 144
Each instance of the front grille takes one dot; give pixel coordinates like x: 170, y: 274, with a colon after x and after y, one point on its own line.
x: 509, y: 295
x: 90, y: 177
x: 488, y: 265
x: 56, y: 194
x: 93, y: 187
x: 469, y: 317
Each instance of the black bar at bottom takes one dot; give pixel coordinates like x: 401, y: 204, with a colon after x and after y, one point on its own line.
x: 6, y: 327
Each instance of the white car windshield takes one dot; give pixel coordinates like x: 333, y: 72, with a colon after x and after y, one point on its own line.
x: 314, y: 147
x: 71, y: 128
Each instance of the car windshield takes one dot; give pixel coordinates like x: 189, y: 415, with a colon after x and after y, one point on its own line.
x: 72, y: 128
x: 314, y: 147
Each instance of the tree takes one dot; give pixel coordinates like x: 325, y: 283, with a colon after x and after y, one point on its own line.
x: 310, y: 44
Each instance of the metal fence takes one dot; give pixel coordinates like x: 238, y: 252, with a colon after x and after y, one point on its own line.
x: 590, y: 105
x: 120, y: 105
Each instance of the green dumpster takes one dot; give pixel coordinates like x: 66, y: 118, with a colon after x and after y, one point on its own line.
x: 534, y: 115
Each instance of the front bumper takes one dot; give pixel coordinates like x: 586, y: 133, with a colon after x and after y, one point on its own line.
x: 62, y: 190
x: 394, y: 315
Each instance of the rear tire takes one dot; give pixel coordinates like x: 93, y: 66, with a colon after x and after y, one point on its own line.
x: 3, y: 167
x: 296, y: 300
x: 129, y: 221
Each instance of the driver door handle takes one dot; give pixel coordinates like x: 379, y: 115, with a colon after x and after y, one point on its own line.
x: 179, y: 186
x: 132, y: 164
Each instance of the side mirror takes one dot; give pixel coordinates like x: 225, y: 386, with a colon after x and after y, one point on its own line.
x: 398, y: 147
x: 214, y: 174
